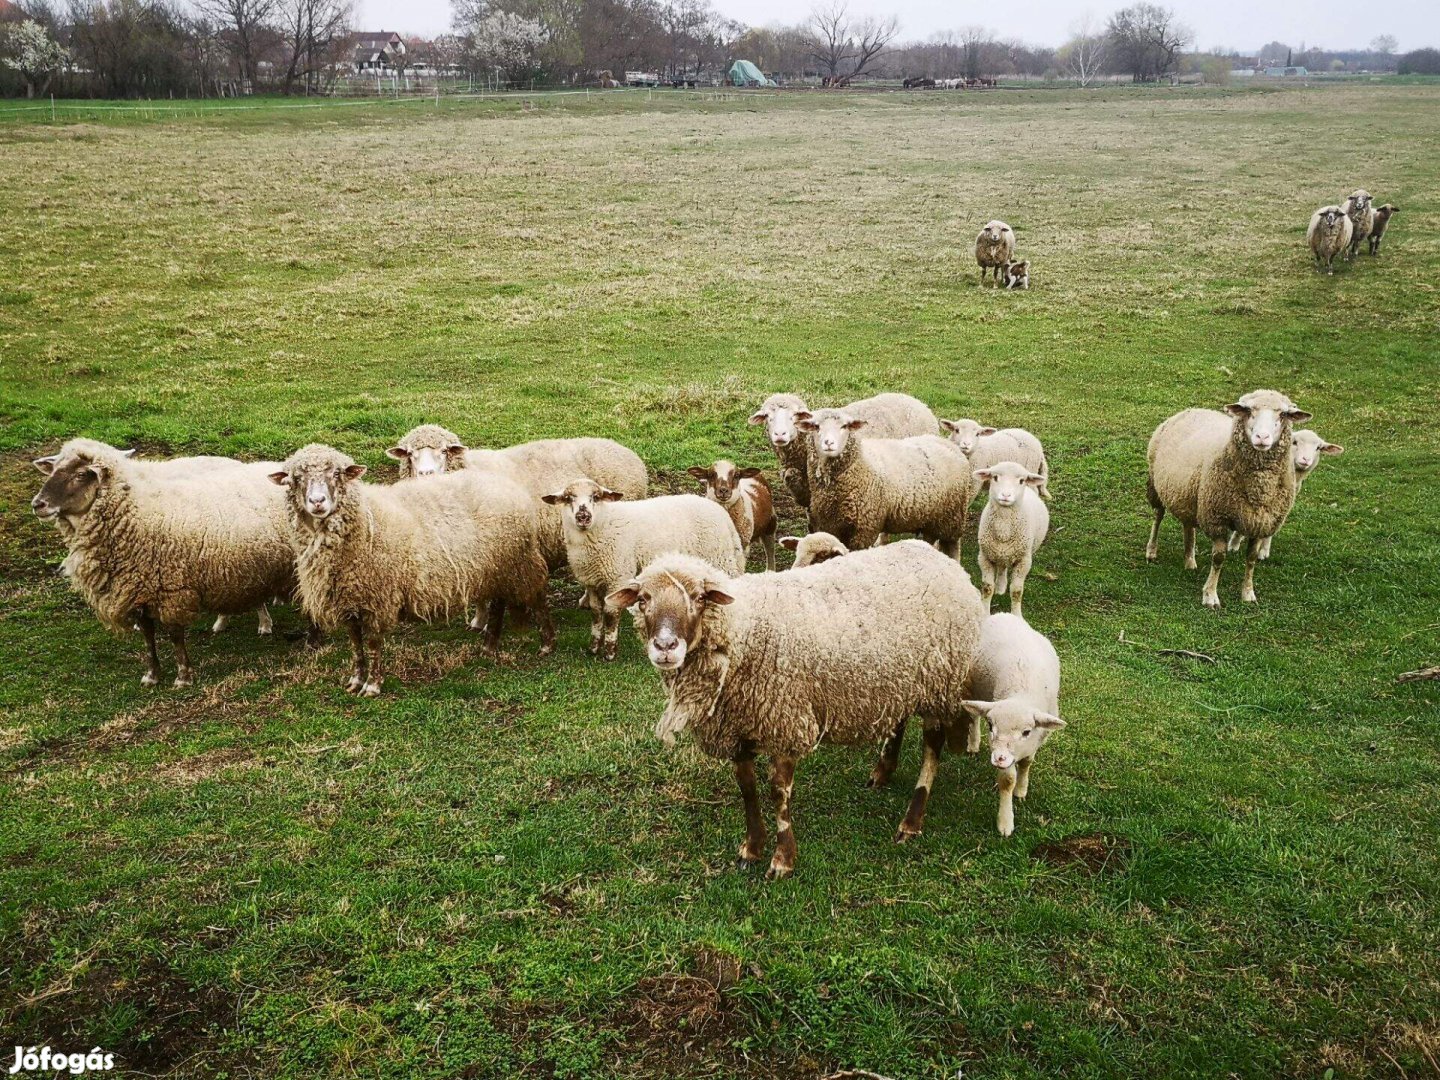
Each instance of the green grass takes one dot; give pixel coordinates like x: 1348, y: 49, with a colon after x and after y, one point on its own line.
x: 1222, y: 870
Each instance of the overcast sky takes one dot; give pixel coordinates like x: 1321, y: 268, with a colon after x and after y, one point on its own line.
x: 1237, y: 24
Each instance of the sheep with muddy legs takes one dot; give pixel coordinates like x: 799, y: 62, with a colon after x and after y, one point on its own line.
x: 842, y: 652
x: 1328, y: 236
x: 994, y: 247
x: 746, y: 498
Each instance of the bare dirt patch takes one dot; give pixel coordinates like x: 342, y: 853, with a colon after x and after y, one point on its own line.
x: 1095, y: 854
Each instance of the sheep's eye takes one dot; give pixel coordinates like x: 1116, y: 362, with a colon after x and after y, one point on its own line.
x: 644, y: 602
x: 1026, y: 733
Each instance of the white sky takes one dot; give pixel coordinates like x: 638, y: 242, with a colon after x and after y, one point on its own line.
x: 1238, y: 24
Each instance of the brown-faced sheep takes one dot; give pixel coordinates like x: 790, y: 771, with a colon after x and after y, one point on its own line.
x: 994, y: 247
x: 746, y: 498
x: 815, y: 548
x: 1383, y: 214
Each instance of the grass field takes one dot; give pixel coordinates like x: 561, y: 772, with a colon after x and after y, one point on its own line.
x: 494, y: 869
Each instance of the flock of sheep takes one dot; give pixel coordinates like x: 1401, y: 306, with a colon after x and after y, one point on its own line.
x: 1340, y: 230
x: 844, y: 647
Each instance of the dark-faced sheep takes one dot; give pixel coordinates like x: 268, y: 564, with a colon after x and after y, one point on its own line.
x: 1328, y: 236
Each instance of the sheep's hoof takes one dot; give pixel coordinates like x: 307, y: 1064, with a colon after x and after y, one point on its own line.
x: 1247, y: 596
x: 353, y: 684
x: 1006, y: 830
x: 904, y: 834
x: 1151, y: 555
x: 370, y: 689
x: 1211, y: 601
x: 546, y: 650
x: 184, y: 677
x: 1191, y: 564
x: 150, y: 679
x: 778, y: 872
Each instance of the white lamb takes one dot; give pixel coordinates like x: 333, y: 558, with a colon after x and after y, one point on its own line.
x: 815, y: 548
x: 1013, y: 525
x: 985, y: 446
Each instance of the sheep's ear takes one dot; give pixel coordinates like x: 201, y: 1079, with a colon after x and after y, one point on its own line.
x: 856, y: 424
x: 399, y: 453
x: 984, y: 474
x: 280, y: 479
x: 949, y: 425
x: 455, y: 449
x: 1034, y: 479
x: 790, y: 543
x: 555, y: 498
x: 1331, y: 448
x: 749, y: 474
x: 806, y: 424
x: 979, y: 709
x: 1048, y: 721
x: 985, y: 431
x: 714, y: 595
x: 46, y: 464
x: 354, y: 472
x: 699, y: 472
x: 624, y: 596
x: 606, y: 495
x: 1297, y: 416
x: 130, y: 453
x: 1237, y: 410
x: 758, y: 417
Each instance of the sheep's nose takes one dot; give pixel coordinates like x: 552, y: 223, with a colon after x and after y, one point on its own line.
x: 665, y: 641
x: 39, y: 505
x: 1001, y: 760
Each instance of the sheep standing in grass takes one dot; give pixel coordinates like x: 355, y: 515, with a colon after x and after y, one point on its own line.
x: 1359, y: 208
x: 891, y: 416
x: 815, y: 548
x: 862, y: 488
x: 1383, y: 215
x: 1223, y: 472
x: 984, y: 446
x: 844, y: 652
x: 1307, y: 447
x: 370, y: 555
x: 1014, y: 690
x: 1328, y: 236
x: 994, y: 247
x: 610, y: 541
x: 1013, y: 525
x: 746, y: 498
x: 152, y: 549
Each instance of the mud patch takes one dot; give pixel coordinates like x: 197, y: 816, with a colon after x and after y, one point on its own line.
x: 1095, y: 854
x: 192, y: 770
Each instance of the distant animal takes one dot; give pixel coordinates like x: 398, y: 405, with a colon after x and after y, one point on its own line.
x: 1328, y: 236
x: 994, y: 247
x: 1383, y: 215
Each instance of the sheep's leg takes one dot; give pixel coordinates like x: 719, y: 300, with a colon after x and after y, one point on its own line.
x: 767, y: 542
x: 914, y: 821
x: 611, y: 647
x: 371, y: 687
x: 889, y: 758
x: 1252, y: 555
x: 1210, y: 595
x: 494, y: 622
x: 147, y: 627
x: 314, y: 636
x: 1190, y: 563
x: 987, y: 582
x: 949, y: 546
x: 357, y: 647
x: 222, y: 622
x: 546, y: 625
x: 1236, y: 541
x: 1022, y: 777
x: 1005, y: 779
x: 1265, y: 547
x: 782, y: 783
x: 1018, y: 574
x: 1152, y: 549
x: 265, y: 624
x: 184, y: 673
x: 754, y: 845
x: 972, y: 734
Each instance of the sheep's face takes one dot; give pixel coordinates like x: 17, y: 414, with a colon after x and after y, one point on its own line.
x: 1008, y: 481
x: 780, y: 416
x: 994, y: 232
x: 1016, y: 729
x: 672, y: 609
x: 1264, y: 416
x: 1359, y: 201
x: 580, y: 501
x: 1331, y: 216
x: 1308, y: 448
x: 73, y: 480
x: 317, y: 482
x: 966, y: 434
x: 815, y: 548
x: 722, y: 480
x: 830, y: 431
x: 428, y: 450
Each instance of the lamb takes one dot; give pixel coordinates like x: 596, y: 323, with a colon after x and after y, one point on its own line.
x: 1382, y: 222
x: 862, y: 488
x: 1013, y: 525
x: 1359, y: 209
x: 815, y: 548
x: 746, y: 498
x: 152, y: 547
x: 891, y: 416
x: 985, y: 446
x: 610, y: 541
x: 994, y: 247
x: 1014, y: 689
x: 1328, y: 236
x: 843, y: 652
x: 1015, y: 275
x: 1306, y: 448
x: 1222, y: 473
x: 368, y: 555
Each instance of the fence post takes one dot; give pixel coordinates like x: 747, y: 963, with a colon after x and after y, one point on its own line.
x: 52, y: 108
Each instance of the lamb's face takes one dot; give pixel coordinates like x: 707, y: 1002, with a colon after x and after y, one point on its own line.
x: 1008, y: 481
x: 580, y: 502
x: 780, y: 418
x: 73, y: 480
x: 1016, y: 729
x: 1308, y: 446
x: 966, y: 434
x: 673, y: 609
x: 816, y: 548
x: 721, y: 480
x: 317, y: 482
x: 830, y: 431
x: 1264, y: 416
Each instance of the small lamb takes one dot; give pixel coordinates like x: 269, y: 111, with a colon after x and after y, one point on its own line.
x: 815, y: 548
x: 1016, y: 275
x: 1328, y: 236
x: 994, y: 247
x: 1014, y: 689
x: 746, y: 498
x: 1013, y: 525
x: 1382, y: 222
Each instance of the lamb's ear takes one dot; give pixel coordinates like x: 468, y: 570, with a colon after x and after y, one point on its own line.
x: 749, y: 474
x: 1034, y: 479
x: 131, y: 452
x: 555, y: 498
x: 801, y: 414
x: 624, y: 596
x: 1048, y: 721
x: 716, y: 595
x: 1237, y: 410
x: 606, y: 495
x: 948, y: 425
x: 979, y: 709
x: 1331, y: 448
x: 856, y: 424
x: 699, y: 472
x: 806, y: 424
x: 46, y: 464
x: 399, y: 453
x: 790, y: 543
x: 984, y: 474
x: 354, y: 472
x: 455, y: 449
x: 985, y: 431
x: 1297, y: 416
x: 758, y: 417
x: 281, y: 478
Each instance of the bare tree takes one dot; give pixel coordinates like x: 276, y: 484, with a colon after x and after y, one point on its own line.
x: 1385, y: 44
x: 314, y: 31
x: 1085, y: 52
x: 846, y: 49
x: 245, y: 20
x: 972, y: 44
x: 1145, y: 38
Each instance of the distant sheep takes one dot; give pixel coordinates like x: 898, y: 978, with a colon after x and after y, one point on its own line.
x: 1383, y: 214
x: 994, y: 247
x: 1328, y: 236
x: 746, y: 498
x: 1013, y: 525
x: 815, y: 548
x: 1360, y: 210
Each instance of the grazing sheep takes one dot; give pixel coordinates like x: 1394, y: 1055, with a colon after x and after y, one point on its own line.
x: 815, y: 548
x: 149, y: 547
x: 994, y: 247
x: 1360, y: 210
x: 1014, y: 689
x: 844, y: 652
x: 862, y: 488
x: 1328, y: 236
x: 891, y: 416
x: 984, y: 446
x: 369, y: 555
x: 1222, y: 473
x: 746, y: 498
x: 1015, y: 275
x: 610, y: 541
x: 1306, y: 448
x: 1382, y: 222
x: 1013, y: 525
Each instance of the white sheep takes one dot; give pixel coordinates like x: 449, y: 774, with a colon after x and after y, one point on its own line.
x: 862, y: 488
x: 369, y: 555
x: 746, y: 498
x: 149, y: 548
x: 1328, y: 236
x: 1224, y: 472
x: 844, y: 652
x: 610, y: 541
x: 1306, y: 448
x: 994, y: 247
x: 1359, y: 208
x: 985, y: 446
x: 1013, y: 525
x: 1013, y: 688
x: 815, y: 548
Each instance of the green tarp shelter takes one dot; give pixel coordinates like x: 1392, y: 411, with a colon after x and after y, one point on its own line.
x: 744, y: 73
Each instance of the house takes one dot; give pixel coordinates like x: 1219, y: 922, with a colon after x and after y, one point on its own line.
x: 1286, y: 72
x: 376, y: 51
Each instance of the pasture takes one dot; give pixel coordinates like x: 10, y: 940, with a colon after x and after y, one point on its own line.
x: 494, y: 869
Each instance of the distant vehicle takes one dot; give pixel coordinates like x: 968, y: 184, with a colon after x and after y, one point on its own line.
x: 642, y: 78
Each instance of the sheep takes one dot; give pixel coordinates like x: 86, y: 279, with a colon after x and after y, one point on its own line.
x: 994, y: 247
x: 815, y: 548
x: 1360, y: 210
x: 1328, y: 236
x: 1013, y: 525
x: 610, y: 541
x: 862, y: 488
x: 149, y: 547
x: 1382, y: 222
x: 746, y: 498
x: 1015, y: 275
x: 1306, y: 448
x: 1222, y: 473
x: 843, y: 652
x: 1014, y: 689
x: 985, y: 446
x: 368, y: 555
x: 891, y: 416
